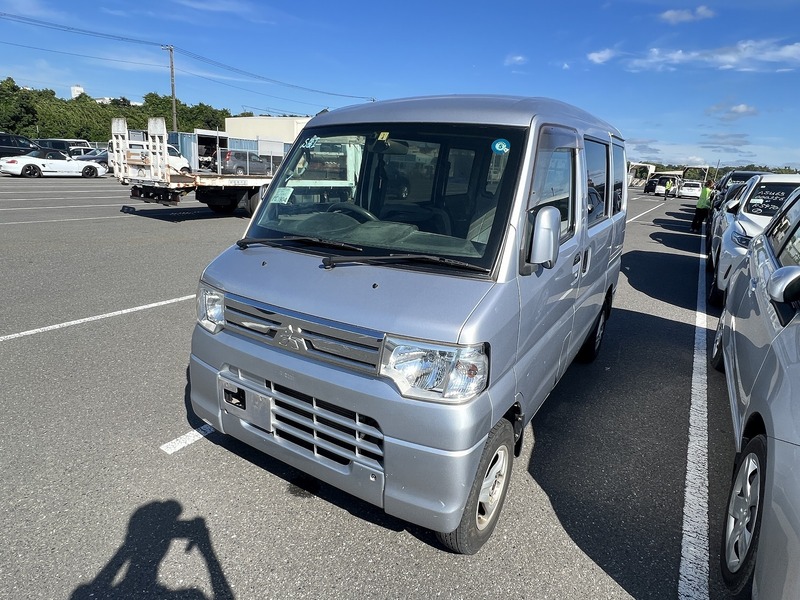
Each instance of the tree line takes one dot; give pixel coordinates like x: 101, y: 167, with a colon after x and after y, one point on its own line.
x: 41, y: 114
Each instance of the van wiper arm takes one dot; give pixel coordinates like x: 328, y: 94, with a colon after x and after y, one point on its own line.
x: 277, y: 241
x: 331, y: 261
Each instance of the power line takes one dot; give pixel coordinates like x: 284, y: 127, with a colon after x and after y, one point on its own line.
x: 189, y: 54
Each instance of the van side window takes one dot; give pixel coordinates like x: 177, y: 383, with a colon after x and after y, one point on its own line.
x: 554, y: 176
x: 597, y: 174
x: 619, y: 178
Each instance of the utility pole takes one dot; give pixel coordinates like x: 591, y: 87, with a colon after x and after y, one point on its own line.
x: 172, y: 82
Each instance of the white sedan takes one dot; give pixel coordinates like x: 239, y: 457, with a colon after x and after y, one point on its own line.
x: 39, y: 163
x: 690, y: 189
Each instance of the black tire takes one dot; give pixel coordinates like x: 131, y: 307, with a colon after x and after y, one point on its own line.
x: 252, y: 201
x: 742, y: 525
x: 185, y: 171
x: 715, y: 295
x: 31, y: 171
x: 89, y: 171
x: 481, y: 514
x: 717, y: 360
x: 239, y: 171
x: 591, y: 346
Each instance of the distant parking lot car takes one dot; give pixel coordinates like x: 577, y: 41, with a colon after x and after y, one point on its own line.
x: 41, y: 163
x: 650, y: 186
x: 15, y: 145
x: 743, y: 219
x: 98, y: 156
x: 661, y: 186
x: 690, y: 189
x: 240, y: 162
x: 757, y: 343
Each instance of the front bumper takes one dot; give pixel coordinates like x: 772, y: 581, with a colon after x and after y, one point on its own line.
x: 416, y: 460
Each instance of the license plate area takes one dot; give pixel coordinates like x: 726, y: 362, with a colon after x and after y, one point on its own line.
x: 246, y: 403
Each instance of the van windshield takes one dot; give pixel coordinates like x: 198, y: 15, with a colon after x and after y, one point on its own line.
x: 387, y: 189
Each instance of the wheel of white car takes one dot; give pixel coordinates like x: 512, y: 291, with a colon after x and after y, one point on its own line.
x: 717, y: 361
x: 31, y: 171
x: 89, y: 171
x: 185, y: 171
x: 488, y: 492
x: 742, y: 524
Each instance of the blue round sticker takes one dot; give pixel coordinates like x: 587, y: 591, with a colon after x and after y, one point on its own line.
x: 501, y: 146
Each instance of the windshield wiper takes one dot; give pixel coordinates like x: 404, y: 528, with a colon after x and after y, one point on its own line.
x: 277, y: 241
x: 331, y: 261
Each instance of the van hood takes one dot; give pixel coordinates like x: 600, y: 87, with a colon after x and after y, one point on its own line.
x: 388, y: 299
x: 752, y: 224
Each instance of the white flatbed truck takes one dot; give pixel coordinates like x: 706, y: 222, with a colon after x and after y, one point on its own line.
x: 152, y: 180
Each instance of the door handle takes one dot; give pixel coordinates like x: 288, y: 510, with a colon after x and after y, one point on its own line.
x: 576, y: 260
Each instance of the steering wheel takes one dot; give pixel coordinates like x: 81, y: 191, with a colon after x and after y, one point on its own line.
x: 346, y: 207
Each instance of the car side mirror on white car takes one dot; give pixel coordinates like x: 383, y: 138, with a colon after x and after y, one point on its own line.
x: 784, y: 284
x: 546, y: 236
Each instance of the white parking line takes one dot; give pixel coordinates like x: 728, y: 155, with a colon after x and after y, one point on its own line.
x: 125, y: 216
x: 694, y: 570
x: 116, y: 313
x: 644, y: 213
x: 187, y: 438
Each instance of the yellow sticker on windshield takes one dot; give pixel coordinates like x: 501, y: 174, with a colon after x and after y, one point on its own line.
x: 383, y: 136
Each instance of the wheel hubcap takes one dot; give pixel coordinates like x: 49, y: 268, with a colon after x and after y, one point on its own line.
x: 742, y: 512
x: 494, y: 482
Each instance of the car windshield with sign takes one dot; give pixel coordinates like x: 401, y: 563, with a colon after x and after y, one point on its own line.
x: 768, y: 198
x: 401, y: 195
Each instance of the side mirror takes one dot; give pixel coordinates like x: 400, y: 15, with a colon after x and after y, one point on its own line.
x: 784, y: 284
x: 546, y: 237
x: 732, y: 207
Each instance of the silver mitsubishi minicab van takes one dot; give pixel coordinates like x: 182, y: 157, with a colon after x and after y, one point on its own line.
x: 417, y: 277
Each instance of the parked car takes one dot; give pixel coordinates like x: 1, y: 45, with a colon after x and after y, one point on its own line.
x: 661, y: 186
x: 730, y: 178
x: 743, y: 219
x: 42, y: 163
x: 690, y: 189
x: 650, y: 186
x: 757, y: 344
x: 713, y: 224
x: 69, y: 146
x: 15, y: 145
x: 240, y: 162
x: 98, y: 156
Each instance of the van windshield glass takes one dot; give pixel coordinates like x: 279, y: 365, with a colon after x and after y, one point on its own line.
x: 397, y: 188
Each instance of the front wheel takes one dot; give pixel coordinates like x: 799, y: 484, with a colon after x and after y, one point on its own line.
x: 89, y: 171
x: 715, y: 295
x: 717, y: 360
x: 743, y: 516
x: 488, y: 492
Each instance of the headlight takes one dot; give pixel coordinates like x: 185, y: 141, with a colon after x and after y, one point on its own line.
x: 210, y: 308
x: 435, y: 372
x: 740, y: 239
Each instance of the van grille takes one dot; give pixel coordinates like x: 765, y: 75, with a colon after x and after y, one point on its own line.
x: 325, y: 429
x: 345, y: 346
x: 313, y: 426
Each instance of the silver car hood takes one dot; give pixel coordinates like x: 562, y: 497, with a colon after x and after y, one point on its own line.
x: 387, y: 299
x: 752, y: 224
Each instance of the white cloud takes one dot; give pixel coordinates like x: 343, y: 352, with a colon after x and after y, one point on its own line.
x: 725, y: 112
x: 565, y: 67
x: 515, y: 60
x: 674, y: 17
x: 601, y: 56
x: 746, y: 55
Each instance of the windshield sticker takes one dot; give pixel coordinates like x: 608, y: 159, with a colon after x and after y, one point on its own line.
x: 501, y: 146
x: 281, y: 195
x: 310, y: 143
x: 383, y: 136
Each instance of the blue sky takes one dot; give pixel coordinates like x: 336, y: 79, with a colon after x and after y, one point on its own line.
x: 686, y: 83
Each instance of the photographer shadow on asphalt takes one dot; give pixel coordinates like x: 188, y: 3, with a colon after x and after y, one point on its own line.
x: 133, y: 572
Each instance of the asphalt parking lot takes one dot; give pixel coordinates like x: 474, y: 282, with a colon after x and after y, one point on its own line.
x: 110, y: 491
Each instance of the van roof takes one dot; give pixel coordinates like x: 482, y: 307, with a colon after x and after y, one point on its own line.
x: 515, y: 111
